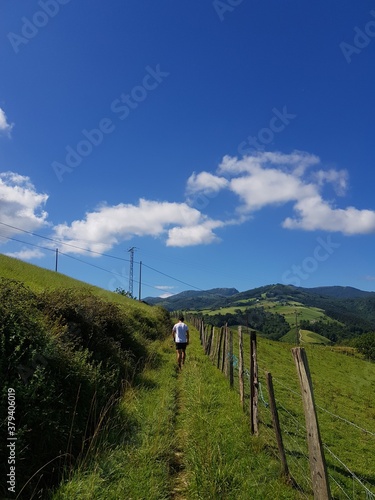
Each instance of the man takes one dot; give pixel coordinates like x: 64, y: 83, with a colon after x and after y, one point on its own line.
x: 180, y: 334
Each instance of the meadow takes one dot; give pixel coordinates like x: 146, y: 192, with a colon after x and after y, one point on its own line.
x: 344, y: 389
x: 157, y: 433
x: 66, y: 351
x: 189, y: 439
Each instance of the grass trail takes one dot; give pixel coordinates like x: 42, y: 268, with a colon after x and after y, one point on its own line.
x: 186, y: 438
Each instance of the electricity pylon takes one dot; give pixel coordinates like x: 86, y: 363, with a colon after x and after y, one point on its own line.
x: 131, y: 250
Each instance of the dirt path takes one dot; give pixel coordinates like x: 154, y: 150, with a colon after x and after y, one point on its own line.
x: 177, y: 467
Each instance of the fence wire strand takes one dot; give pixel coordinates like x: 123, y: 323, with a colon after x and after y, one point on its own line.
x: 292, y: 431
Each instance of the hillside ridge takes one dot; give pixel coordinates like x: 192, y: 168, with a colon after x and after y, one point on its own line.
x: 211, y: 298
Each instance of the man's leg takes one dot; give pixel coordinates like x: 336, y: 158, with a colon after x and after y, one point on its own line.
x: 179, y: 357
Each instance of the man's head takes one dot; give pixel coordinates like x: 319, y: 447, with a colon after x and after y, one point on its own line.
x: 181, y: 318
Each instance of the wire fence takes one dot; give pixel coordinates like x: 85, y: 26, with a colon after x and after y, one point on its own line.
x: 348, y: 478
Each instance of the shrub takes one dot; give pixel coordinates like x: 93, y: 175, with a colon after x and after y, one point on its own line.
x: 66, y: 353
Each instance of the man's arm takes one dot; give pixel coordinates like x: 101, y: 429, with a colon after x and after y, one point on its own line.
x: 187, y: 336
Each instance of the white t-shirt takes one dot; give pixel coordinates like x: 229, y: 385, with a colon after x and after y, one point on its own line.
x: 180, y: 330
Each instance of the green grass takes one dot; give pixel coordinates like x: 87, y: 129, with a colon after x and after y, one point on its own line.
x: 39, y: 280
x: 137, y: 464
x: 305, y: 337
x: 303, y: 313
x: 222, y: 458
x: 67, y: 348
x: 289, y: 311
x: 188, y: 438
x: 344, y: 389
x: 308, y: 337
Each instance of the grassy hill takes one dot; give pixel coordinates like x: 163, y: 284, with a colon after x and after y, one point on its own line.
x: 337, y: 313
x: 91, y: 364
x: 39, y: 279
x: 66, y: 351
x: 344, y: 388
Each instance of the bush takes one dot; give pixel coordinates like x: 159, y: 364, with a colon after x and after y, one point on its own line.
x: 366, y: 345
x: 66, y: 353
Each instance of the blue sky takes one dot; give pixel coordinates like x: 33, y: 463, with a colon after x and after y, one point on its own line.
x: 230, y: 142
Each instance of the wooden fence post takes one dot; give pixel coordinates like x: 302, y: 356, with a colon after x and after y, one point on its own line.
x: 201, y: 331
x: 318, y: 468
x: 219, y: 348
x: 240, y: 366
x: 253, y: 384
x: 230, y: 356
x: 212, y: 345
x: 207, y: 339
x: 276, y: 425
x: 225, y: 349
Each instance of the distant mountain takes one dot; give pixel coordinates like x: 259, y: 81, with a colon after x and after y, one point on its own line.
x: 354, y: 309
x: 194, y: 299
x: 340, y: 292
x: 222, y: 297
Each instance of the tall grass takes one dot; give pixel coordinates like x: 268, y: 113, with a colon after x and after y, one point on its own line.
x: 66, y: 352
x: 222, y: 459
x: 187, y: 439
x: 135, y: 464
x: 344, y: 390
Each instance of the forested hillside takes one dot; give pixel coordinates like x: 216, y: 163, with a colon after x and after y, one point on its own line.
x: 337, y: 313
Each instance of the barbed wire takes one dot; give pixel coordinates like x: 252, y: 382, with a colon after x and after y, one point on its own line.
x: 353, y: 475
x: 339, y: 486
x: 346, y: 421
x: 325, y: 409
x: 295, y: 439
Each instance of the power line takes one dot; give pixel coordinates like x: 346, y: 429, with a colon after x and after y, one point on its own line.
x: 102, y: 255
x: 61, y: 242
x: 27, y: 243
x: 103, y: 269
x: 171, y: 277
x: 71, y: 257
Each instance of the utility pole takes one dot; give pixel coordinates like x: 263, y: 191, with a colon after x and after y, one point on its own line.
x: 57, y: 258
x: 131, y: 251
x: 140, y: 280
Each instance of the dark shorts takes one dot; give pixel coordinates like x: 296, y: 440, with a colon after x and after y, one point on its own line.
x: 181, y: 346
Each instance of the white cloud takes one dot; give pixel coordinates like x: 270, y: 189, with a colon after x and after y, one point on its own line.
x: 205, y: 182
x: 262, y: 187
x: 191, y: 235
x: 5, y: 127
x: 108, y: 225
x: 338, y: 178
x: 296, y: 162
x: 274, y: 178
x: 26, y: 254
x: 21, y: 206
x: 316, y: 214
x: 264, y: 179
